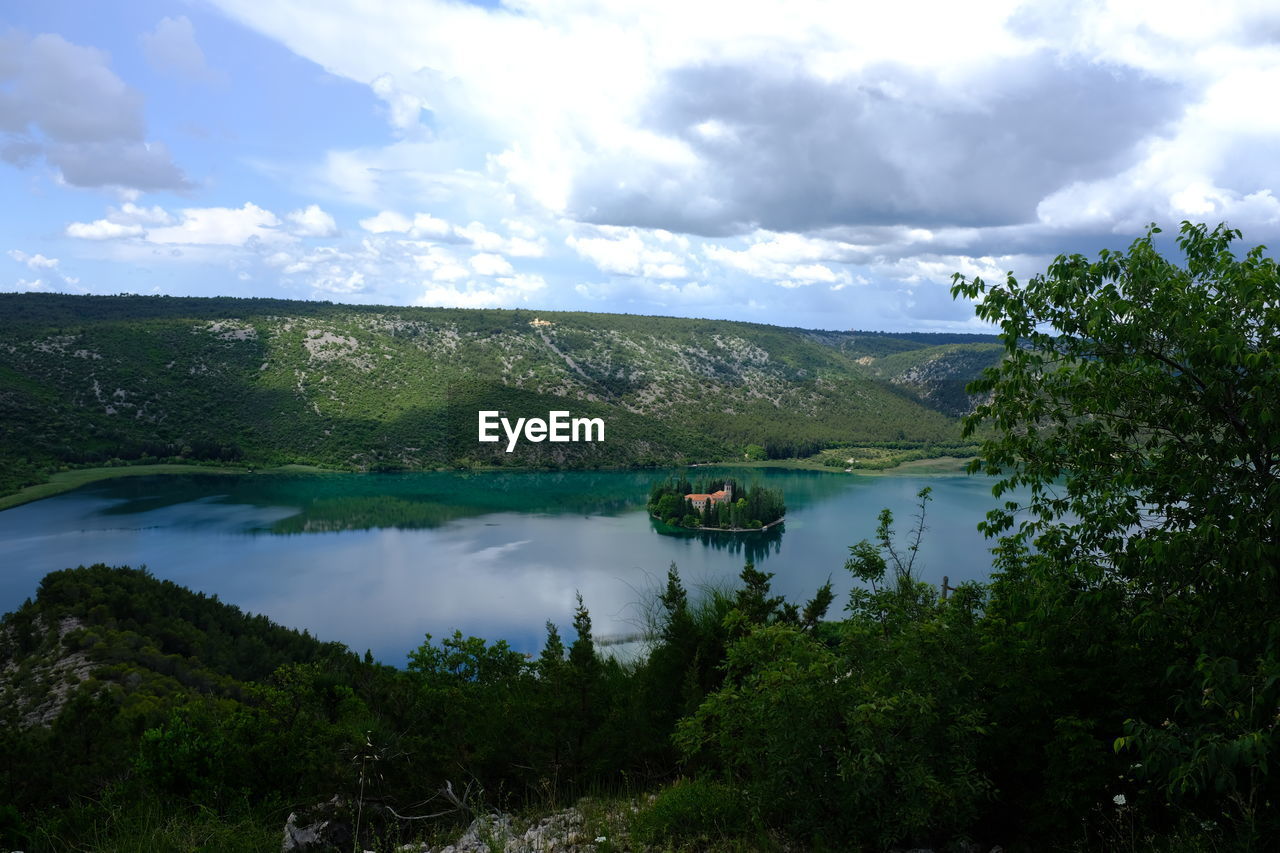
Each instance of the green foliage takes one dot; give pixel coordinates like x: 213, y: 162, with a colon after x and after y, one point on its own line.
x: 120, y: 822
x: 752, y: 508
x: 694, y: 812
x: 859, y: 737
x: 882, y: 456
x: 104, y: 381
x: 1137, y: 403
x: 182, y: 700
x: 1115, y: 687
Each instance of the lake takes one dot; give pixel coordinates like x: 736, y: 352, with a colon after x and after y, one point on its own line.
x: 378, y: 560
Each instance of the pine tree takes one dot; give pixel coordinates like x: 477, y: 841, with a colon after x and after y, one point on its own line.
x: 584, y: 681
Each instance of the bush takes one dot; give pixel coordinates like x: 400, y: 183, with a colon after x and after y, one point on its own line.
x: 832, y: 748
x: 694, y: 811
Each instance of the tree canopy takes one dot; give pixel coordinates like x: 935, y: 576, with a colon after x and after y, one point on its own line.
x: 1137, y: 401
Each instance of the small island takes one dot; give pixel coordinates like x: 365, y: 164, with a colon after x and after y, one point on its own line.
x: 719, y: 504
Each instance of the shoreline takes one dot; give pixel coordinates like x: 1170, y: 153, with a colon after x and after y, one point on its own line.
x: 66, y: 481
x: 933, y: 466
x: 721, y: 529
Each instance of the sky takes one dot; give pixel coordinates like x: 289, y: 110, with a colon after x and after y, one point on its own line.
x: 804, y: 163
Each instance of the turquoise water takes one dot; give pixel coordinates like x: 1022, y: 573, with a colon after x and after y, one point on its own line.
x: 378, y: 560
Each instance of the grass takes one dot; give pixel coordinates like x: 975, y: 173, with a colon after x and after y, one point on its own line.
x: 937, y: 466
x: 147, y: 826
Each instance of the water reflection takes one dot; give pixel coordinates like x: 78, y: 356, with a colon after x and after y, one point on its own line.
x: 377, y: 561
x: 753, y: 546
x: 333, y: 502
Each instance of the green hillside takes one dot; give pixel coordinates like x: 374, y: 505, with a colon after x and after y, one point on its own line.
x: 87, y: 380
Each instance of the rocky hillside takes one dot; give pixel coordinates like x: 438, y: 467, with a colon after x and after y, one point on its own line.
x: 85, y: 380
x: 936, y: 376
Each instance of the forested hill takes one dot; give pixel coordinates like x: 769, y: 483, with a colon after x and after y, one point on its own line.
x: 89, y: 379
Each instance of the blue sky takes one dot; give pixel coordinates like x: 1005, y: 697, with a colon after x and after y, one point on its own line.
x: 803, y: 163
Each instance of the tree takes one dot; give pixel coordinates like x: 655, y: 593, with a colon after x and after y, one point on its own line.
x: 668, y: 506
x: 862, y: 739
x: 583, y: 680
x: 555, y: 702
x: 1138, y: 403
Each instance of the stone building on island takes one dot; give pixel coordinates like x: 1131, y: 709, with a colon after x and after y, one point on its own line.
x: 700, y: 501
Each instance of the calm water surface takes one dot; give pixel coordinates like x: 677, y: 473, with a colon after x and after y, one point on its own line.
x: 378, y: 560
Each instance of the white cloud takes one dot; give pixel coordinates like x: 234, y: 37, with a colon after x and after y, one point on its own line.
x: 627, y: 251
x: 449, y: 272
x: 853, y: 160
x: 522, y: 229
x: 490, y: 264
x: 516, y: 83
x: 507, y: 290
x: 339, y: 281
x: 791, y: 260
x: 521, y: 248
x: 35, y: 262
x: 936, y: 270
x: 485, y: 240
x: 426, y: 225
x: 403, y: 108
x: 311, y: 221
x: 329, y: 271
x: 406, y: 174
x: 220, y: 226
x: 524, y: 283
x: 665, y: 270
x: 387, y: 220
x: 51, y: 277
x: 131, y: 214
x: 800, y: 117
x: 103, y: 229
x: 802, y: 275
x: 441, y: 263
x: 214, y: 226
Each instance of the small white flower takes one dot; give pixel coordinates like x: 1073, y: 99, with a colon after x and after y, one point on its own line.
x: 600, y: 838
x: 1119, y: 799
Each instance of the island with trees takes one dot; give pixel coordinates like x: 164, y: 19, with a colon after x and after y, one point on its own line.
x: 715, y: 504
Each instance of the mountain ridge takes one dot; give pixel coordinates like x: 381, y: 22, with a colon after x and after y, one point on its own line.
x: 91, y: 379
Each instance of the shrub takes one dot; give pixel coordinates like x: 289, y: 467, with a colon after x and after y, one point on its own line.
x: 694, y: 811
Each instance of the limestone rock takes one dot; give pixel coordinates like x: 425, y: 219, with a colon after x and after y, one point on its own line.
x: 326, y: 827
